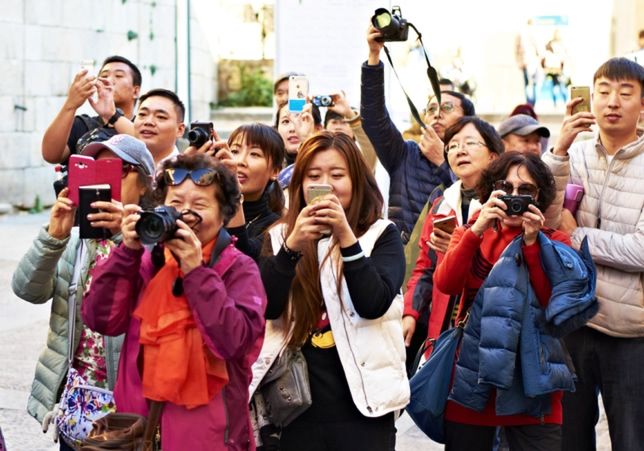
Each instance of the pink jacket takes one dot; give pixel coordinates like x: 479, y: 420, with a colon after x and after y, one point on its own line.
x: 228, y: 303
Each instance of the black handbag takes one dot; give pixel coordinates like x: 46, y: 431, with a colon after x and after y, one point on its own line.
x: 286, y: 389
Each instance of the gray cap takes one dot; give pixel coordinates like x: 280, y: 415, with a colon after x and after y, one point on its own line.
x: 522, y: 125
x: 127, y: 148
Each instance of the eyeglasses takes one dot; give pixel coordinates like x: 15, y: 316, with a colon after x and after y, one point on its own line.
x: 524, y: 189
x: 469, y: 145
x: 201, y: 177
x: 446, y: 107
x: 127, y: 168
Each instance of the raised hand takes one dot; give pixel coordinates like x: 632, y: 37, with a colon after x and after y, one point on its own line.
x: 572, y: 125
x: 130, y: 237
x: 492, y: 211
x: 80, y: 90
x: 61, y: 218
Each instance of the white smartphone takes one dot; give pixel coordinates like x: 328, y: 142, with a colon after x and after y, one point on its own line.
x: 298, y: 91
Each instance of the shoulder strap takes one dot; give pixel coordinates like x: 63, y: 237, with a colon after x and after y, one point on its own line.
x: 71, y: 299
x: 223, y: 240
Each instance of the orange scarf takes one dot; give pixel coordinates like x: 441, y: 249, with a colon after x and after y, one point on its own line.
x: 177, y: 365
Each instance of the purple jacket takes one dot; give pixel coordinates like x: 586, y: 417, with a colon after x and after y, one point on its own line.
x: 228, y: 303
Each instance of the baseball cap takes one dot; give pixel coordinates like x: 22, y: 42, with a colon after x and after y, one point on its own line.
x: 522, y: 125
x: 127, y: 148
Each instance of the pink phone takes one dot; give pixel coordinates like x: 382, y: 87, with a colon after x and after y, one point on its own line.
x: 84, y: 170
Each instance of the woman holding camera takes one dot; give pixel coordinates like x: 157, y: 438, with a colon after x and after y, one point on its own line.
x: 257, y: 151
x: 333, y: 280
x: 57, y: 261
x: 472, y: 145
x: 193, y: 316
x: 514, y: 190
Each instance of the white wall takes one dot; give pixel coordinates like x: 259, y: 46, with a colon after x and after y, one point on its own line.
x: 42, y: 43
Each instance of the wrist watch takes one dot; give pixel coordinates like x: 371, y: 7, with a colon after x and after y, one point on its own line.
x: 115, y: 117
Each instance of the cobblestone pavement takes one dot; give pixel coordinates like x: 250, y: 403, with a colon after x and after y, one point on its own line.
x: 23, y: 329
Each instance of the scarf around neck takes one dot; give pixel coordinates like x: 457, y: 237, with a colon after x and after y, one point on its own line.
x: 177, y: 365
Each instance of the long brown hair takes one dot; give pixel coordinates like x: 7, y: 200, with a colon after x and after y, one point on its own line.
x: 305, y: 302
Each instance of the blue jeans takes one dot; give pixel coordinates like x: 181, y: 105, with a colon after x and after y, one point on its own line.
x: 615, y: 366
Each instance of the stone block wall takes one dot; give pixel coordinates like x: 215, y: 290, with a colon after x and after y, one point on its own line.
x: 42, y: 44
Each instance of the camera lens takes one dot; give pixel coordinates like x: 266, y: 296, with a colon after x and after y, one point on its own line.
x: 197, y: 137
x: 157, y: 225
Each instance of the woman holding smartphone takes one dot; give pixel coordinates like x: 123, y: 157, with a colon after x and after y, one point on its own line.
x: 472, y: 144
x: 332, y: 278
x: 47, y: 271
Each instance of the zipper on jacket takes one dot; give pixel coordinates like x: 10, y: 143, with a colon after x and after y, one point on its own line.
x: 227, y: 429
x: 601, y: 196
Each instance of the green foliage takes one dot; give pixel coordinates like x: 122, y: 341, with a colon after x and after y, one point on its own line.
x: 132, y: 35
x: 256, y: 90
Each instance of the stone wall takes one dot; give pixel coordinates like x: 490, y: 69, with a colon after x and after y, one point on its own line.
x: 42, y: 44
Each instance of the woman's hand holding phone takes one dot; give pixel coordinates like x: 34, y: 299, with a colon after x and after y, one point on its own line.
x: 61, y: 218
x: 306, y: 229
x: 328, y: 211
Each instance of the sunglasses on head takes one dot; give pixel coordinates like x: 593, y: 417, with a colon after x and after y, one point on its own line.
x: 524, y: 189
x: 200, y: 177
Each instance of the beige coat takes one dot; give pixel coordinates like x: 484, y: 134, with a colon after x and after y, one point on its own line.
x: 611, y: 215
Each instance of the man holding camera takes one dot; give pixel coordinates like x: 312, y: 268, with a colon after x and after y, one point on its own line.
x: 117, y: 87
x: 414, y: 169
x: 159, y: 123
x: 608, y: 354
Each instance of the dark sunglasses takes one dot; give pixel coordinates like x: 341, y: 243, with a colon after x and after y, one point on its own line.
x: 524, y: 189
x: 201, y: 177
x: 127, y: 168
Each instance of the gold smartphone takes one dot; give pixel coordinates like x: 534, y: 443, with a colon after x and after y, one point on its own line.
x: 584, y: 93
x: 316, y: 190
x: 446, y: 224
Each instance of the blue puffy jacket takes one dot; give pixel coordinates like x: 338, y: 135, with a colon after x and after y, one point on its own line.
x: 511, y: 344
x: 413, y: 177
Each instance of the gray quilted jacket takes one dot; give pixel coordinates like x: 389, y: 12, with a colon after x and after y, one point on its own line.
x: 611, y: 215
x: 45, y: 272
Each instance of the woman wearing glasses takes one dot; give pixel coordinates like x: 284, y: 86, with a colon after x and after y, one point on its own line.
x: 193, y: 316
x: 57, y: 260
x: 472, y: 144
x: 491, y: 350
x: 333, y: 277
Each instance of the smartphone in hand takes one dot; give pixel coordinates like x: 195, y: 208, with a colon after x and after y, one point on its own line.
x: 87, y: 195
x: 298, y: 91
x: 84, y: 170
x: 584, y: 93
x: 315, y: 191
x: 446, y: 224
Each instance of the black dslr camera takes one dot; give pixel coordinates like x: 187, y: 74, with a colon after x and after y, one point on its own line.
x: 517, y: 205
x: 199, y: 133
x: 158, y: 225
x: 392, y: 25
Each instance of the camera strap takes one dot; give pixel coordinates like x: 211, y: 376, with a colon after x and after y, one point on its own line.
x: 431, y: 74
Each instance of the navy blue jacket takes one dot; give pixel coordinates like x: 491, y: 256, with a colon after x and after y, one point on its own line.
x: 413, y: 177
x: 511, y: 344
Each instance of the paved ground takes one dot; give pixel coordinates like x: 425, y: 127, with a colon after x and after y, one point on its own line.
x: 23, y: 328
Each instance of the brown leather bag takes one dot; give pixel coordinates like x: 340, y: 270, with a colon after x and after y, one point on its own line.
x: 125, y: 431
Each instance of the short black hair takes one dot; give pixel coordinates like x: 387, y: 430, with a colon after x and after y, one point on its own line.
x: 466, y: 104
x: 619, y: 69
x: 538, y: 170
x: 227, y: 194
x: 137, y: 79
x: 330, y: 114
x: 160, y: 92
x: 493, y: 141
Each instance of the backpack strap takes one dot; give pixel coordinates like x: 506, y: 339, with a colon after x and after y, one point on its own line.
x: 223, y: 240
